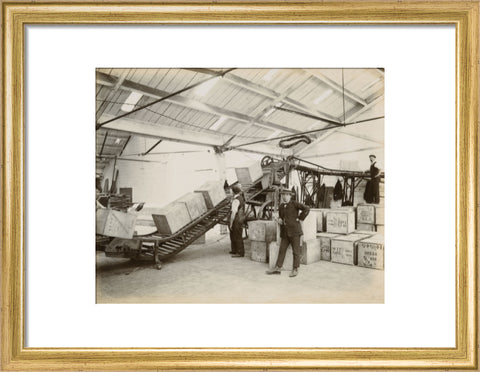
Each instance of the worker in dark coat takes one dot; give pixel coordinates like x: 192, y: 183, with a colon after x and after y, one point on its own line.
x: 290, y: 214
x: 236, y: 220
x: 374, y: 173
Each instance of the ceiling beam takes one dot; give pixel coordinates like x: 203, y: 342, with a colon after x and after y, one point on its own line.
x: 361, y: 136
x: 175, y: 134
x: 108, y: 80
x: 342, y: 152
x: 376, y: 98
x: 269, y: 93
x: 276, y: 101
x: 371, y: 103
x: 111, y: 94
x: 159, y: 131
x: 337, y: 87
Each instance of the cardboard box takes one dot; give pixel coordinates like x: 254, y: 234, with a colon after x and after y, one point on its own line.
x: 195, y: 204
x: 273, y: 249
x: 259, y: 251
x: 171, y: 218
x: 325, y: 245
x: 311, y: 251
x: 371, y: 252
x: 381, y: 229
x: 262, y: 231
x: 366, y: 214
x: 249, y: 174
x: 340, y: 221
x: 213, y: 193
x: 366, y: 227
x: 344, y: 248
x: 115, y: 223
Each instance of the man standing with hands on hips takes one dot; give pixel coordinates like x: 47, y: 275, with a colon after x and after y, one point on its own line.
x: 290, y: 214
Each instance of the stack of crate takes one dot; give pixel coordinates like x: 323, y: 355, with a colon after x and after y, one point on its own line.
x: 176, y: 215
x: 343, y: 240
x: 370, y: 217
x: 262, y: 234
x: 312, y: 225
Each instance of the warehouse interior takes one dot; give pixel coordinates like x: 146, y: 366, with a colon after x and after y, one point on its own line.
x: 172, y: 145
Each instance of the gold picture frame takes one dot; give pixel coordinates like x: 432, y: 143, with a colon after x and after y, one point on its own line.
x: 463, y: 15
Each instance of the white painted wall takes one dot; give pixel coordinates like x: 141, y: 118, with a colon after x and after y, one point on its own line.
x: 161, y: 178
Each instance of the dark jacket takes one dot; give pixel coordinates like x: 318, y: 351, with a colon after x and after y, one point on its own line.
x: 289, y: 213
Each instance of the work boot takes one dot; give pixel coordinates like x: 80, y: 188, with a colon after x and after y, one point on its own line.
x: 276, y: 270
x: 293, y: 273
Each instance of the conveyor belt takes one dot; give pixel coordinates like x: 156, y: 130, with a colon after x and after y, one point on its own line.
x: 162, y: 247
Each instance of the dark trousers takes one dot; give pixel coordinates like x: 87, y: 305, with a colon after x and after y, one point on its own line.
x: 236, y: 238
x: 297, y: 252
x: 376, y: 190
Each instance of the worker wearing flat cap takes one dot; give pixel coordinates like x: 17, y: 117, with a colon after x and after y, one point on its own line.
x: 290, y: 213
x: 236, y: 220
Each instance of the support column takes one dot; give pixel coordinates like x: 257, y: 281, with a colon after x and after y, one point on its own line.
x: 220, y: 166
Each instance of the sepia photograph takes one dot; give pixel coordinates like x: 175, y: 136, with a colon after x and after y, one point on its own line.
x: 240, y: 185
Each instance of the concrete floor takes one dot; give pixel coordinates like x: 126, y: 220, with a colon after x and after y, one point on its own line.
x: 206, y: 273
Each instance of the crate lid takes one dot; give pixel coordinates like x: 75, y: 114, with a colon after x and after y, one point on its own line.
x: 377, y: 239
x: 326, y: 235
x: 353, y: 237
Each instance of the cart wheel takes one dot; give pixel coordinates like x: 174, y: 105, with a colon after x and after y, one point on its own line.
x: 266, y: 160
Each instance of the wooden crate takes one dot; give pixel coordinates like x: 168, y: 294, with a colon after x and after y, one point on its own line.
x: 145, y: 224
x: 380, y: 229
x: 314, y: 223
x: 371, y: 252
x: 171, y: 218
x: 115, y: 223
x: 344, y: 248
x: 366, y: 227
x: 213, y: 193
x: 380, y: 215
x: 340, y: 221
x: 311, y: 251
x: 259, y: 251
x: 326, y: 245
x: 249, y: 174
x: 231, y: 176
x: 262, y: 231
x: 195, y: 204
x: 322, y: 219
x: 273, y: 248
x: 366, y: 214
